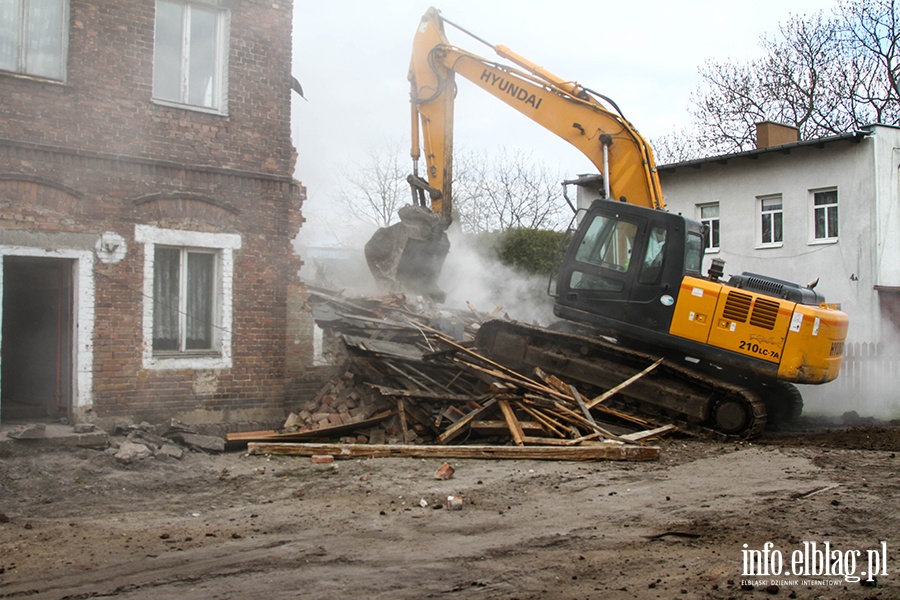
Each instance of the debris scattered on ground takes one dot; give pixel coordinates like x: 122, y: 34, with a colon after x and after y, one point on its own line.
x: 414, y: 378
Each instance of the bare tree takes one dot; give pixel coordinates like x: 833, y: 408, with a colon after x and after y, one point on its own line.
x: 374, y: 190
x: 491, y: 192
x: 871, y: 29
x: 824, y: 75
x: 505, y: 190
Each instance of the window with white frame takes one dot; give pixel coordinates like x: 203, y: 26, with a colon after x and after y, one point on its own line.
x: 190, y: 54
x: 709, y: 217
x: 188, y: 290
x: 771, y: 220
x: 825, y: 215
x: 34, y: 37
x: 185, y: 300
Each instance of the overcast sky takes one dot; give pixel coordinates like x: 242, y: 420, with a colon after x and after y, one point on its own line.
x: 352, y: 57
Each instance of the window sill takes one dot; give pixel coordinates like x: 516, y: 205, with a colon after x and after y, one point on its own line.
x: 824, y: 241
x: 711, y: 250
x: 35, y: 78
x: 187, y: 361
x: 190, y: 107
x: 767, y: 246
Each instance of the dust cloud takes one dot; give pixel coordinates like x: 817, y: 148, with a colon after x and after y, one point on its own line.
x: 488, y: 286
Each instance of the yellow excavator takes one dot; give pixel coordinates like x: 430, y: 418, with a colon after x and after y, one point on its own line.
x: 629, y: 290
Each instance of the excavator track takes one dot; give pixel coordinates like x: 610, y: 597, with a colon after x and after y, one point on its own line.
x: 673, y: 392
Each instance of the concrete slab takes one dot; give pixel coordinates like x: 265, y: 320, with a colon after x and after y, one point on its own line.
x: 34, y: 437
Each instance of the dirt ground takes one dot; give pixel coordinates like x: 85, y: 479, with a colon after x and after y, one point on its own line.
x: 78, y: 524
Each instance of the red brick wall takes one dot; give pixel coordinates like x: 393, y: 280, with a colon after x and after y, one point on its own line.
x: 95, y: 154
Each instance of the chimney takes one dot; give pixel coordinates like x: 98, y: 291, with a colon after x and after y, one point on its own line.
x: 770, y: 133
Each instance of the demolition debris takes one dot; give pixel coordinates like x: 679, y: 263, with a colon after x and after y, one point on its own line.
x: 415, y: 385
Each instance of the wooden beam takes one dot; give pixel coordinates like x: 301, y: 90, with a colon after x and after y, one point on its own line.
x: 582, y: 405
x: 604, y: 396
x: 648, y: 433
x: 515, y: 429
x: 457, y: 428
x: 401, y: 410
x: 593, y: 452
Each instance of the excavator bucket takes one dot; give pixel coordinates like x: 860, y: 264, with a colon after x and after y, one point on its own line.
x: 408, y: 256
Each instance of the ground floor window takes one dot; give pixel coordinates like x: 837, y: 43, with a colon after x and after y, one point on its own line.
x: 184, y: 300
x: 188, y: 277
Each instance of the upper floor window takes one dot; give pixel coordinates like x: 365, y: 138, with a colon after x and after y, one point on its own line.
x: 709, y: 217
x: 190, y: 54
x: 825, y: 215
x: 771, y: 212
x: 34, y: 37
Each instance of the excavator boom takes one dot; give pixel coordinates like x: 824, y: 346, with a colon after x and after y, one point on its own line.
x: 572, y: 112
x: 408, y: 255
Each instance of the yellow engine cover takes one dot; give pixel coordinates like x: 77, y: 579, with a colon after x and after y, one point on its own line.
x: 806, y: 342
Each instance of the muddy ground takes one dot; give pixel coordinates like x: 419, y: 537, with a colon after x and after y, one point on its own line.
x: 78, y: 524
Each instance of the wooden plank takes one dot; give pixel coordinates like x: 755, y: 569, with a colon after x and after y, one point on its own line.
x: 647, y: 433
x: 500, y: 427
x: 515, y: 429
x: 592, y: 452
x: 579, y: 419
x: 238, y: 436
x: 401, y: 410
x: 457, y: 428
x: 607, y: 394
x: 422, y: 395
x: 310, y: 434
x: 549, y: 424
x: 584, y: 409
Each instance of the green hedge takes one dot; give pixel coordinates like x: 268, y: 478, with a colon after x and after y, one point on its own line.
x: 533, y: 251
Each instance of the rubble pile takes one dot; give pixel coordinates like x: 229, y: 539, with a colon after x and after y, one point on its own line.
x: 414, y: 378
x: 167, y: 441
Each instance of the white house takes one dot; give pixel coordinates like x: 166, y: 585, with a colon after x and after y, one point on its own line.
x: 824, y: 211
x: 804, y: 210
x: 801, y: 210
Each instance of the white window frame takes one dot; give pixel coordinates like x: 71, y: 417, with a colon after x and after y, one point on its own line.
x: 763, y: 214
x: 22, y: 42
x: 224, y: 244
x: 708, y: 221
x: 218, y: 95
x: 830, y: 237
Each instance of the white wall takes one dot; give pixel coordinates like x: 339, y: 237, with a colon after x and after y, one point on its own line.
x: 866, y: 252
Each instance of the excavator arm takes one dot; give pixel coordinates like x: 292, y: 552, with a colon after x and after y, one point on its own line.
x: 572, y: 112
x: 409, y: 255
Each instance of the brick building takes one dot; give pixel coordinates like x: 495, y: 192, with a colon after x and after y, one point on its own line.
x: 147, y: 210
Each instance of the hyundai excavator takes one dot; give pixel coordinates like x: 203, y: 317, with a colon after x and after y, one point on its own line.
x: 713, y: 356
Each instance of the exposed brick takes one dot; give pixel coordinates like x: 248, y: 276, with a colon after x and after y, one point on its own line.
x: 96, y: 154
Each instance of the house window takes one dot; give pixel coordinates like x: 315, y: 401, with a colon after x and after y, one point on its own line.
x: 184, y: 300
x: 190, y: 50
x: 34, y: 37
x: 709, y: 217
x: 771, y: 213
x: 825, y: 215
x: 188, y: 290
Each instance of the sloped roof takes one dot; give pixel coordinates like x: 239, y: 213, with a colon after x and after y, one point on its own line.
x: 852, y: 137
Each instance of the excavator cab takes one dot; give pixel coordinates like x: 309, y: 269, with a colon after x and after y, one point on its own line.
x: 624, y: 268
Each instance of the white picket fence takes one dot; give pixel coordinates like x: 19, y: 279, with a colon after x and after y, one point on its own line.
x: 870, y: 378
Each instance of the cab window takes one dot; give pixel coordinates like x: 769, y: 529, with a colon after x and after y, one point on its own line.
x: 607, y: 243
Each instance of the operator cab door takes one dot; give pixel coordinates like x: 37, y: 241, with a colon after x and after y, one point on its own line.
x: 599, y: 273
x: 623, y: 270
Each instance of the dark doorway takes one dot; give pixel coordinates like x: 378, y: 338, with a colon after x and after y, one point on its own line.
x: 36, y: 376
